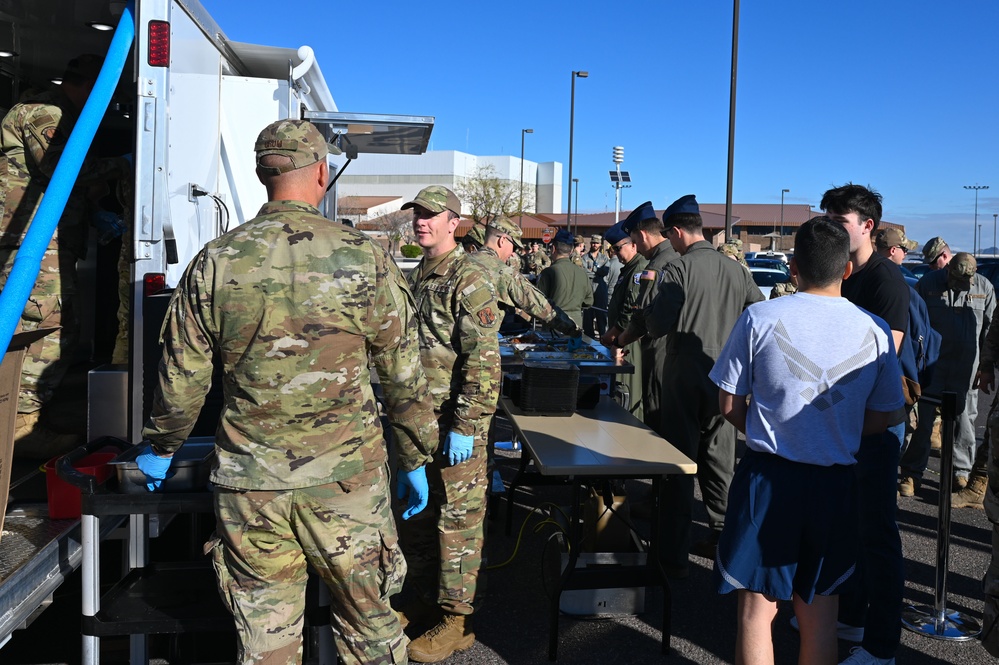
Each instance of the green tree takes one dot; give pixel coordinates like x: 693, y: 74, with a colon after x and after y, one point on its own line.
x: 488, y: 196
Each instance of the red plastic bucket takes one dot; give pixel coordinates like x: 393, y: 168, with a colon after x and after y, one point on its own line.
x: 64, y: 499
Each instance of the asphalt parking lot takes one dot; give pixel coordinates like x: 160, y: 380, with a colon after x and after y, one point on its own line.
x: 512, y: 625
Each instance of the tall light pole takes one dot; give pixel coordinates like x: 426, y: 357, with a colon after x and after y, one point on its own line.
x: 572, y: 117
x: 575, y: 218
x: 782, y: 193
x: 616, y: 179
x: 731, y: 120
x: 976, y: 187
x: 520, y: 222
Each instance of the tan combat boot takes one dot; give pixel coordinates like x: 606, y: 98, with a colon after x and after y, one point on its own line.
x: 453, y: 633
x: 936, y: 436
x: 972, y: 496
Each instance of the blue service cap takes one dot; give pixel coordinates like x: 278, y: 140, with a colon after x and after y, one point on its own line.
x: 615, y: 234
x: 639, y: 214
x: 565, y: 238
x: 686, y: 203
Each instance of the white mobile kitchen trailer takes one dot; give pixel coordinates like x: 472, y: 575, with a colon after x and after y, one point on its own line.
x: 188, y: 107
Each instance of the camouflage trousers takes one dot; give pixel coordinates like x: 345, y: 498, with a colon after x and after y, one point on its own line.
x: 443, y: 544
x: 53, y: 303
x: 264, y: 541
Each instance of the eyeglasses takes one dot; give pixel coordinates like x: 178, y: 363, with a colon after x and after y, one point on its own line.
x: 937, y: 258
x: 620, y: 244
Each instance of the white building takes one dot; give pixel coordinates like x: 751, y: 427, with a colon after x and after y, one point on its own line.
x: 403, y: 176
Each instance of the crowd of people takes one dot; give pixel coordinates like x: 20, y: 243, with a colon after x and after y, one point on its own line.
x: 813, y: 380
x: 833, y: 385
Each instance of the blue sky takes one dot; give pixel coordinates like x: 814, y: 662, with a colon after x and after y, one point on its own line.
x: 903, y: 96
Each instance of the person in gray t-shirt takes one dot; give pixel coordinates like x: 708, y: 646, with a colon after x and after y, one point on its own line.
x: 819, y: 373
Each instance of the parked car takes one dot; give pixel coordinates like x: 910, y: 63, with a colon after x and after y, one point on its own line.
x: 767, y: 255
x: 767, y: 278
x: 773, y: 264
x: 917, y: 269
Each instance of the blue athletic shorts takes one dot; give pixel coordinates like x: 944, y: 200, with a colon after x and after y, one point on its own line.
x: 790, y: 527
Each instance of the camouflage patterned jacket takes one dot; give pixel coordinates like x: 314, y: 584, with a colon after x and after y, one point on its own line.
x: 537, y: 261
x: 514, y: 290
x: 32, y: 137
x: 291, y: 305
x: 459, y: 317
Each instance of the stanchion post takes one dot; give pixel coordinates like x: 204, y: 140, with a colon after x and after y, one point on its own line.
x: 936, y: 621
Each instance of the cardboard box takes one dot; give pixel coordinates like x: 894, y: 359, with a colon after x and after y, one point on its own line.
x: 10, y: 382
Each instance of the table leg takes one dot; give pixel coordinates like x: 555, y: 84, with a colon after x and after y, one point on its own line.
x: 514, y: 484
x: 574, y: 545
x: 655, y: 562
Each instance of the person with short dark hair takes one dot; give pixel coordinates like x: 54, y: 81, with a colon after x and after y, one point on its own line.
x: 872, y: 614
x: 700, y: 298
x: 818, y: 373
x: 564, y: 283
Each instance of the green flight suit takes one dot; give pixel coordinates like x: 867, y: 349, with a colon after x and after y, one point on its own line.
x: 700, y: 298
x: 620, y: 311
x: 568, y: 287
x: 653, y: 349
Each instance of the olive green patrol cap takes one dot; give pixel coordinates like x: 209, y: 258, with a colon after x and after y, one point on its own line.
x: 298, y: 140
x: 963, y: 266
x: 886, y: 238
x: 579, y: 240
x: 476, y: 234
x: 436, y: 199
x: 933, y: 249
x: 504, y: 225
x: 728, y: 249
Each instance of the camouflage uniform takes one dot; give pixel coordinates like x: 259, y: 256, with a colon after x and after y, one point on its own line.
x: 293, y: 306
x: 622, y: 306
x: 515, y: 262
x: 733, y: 248
x: 33, y: 135
x: 537, y: 261
x: 459, y: 317
x: 567, y: 287
x: 514, y: 290
x: 782, y: 289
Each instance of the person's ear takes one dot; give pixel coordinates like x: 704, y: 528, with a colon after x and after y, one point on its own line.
x: 848, y: 270
x: 323, y: 175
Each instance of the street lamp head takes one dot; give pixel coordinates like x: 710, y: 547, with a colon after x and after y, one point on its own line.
x: 785, y: 190
x: 528, y: 131
x: 581, y: 75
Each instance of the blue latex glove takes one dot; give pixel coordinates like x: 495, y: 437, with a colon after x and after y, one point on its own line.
x: 414, y: 485
x: 457, y: 448
x: 154, y: 466
x: 575, y: 343
x: 109, y: 226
